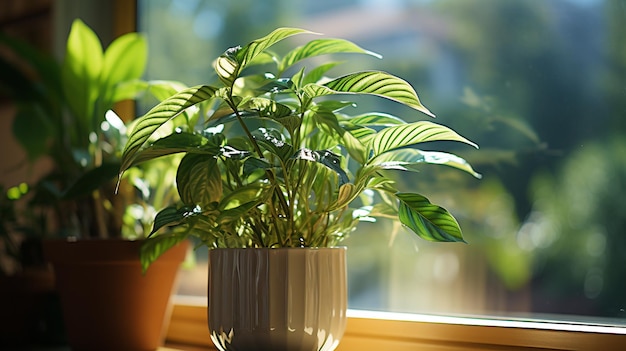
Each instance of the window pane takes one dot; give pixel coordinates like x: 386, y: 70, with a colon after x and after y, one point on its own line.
x: 539, y: 85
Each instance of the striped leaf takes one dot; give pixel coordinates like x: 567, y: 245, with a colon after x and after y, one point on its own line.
x: 430, y: 222
x: 227, y: 69
x: 267, y: 108
x: 373, y: 83
x: 171, y: 144
x: 407, y: 159
x: 412, y: 133
x: 321, y: 47
x: 199, y: 180
x: 159, y: 115
x: 246, y: 54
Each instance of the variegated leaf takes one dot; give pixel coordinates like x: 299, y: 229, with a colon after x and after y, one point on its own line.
x: 412, y: 133
x: 199, y: 180
x: 408, y: 159
x: 430, y: 222
x: 321, y: 47
x: 159, y: 115
x: 267, y: 108
x: 171, y: 144
x: 246, y: 54
x: 373, y: 83
x: 227, y: 69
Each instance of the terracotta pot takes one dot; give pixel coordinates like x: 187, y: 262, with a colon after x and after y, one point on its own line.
x: 107, y: 303
x: 291, y: 299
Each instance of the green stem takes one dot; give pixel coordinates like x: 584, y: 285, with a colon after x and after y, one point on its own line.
x: 280, y: 196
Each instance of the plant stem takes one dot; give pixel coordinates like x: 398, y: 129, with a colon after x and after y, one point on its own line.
x: 270, y: 175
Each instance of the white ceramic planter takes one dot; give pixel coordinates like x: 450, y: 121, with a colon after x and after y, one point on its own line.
x: 291, y: 299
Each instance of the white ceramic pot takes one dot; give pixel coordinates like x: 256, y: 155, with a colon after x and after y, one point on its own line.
x: 291, y: 299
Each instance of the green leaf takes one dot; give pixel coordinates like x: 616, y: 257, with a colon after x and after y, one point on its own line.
x: 171, y: 216
x: 232, y: 62
x: 428, y: 221
x: 171, y: 144
x: 236, y: 205
x: 268, y: 108
x: 163, y: 89
x: 128, y: 90
x: 243, y: 195
x: 320, y: 47
x: 363, y: 134
x: 236, y: 213
x: 318, y: 72
x: 407, y: 159
x: 347, y: 193
x: 256, y: 47
x: 91, y: 180
x: 154, y: 247
x: 227, y: 68
x: 327, y: 158
x: 33, y: 129
x: 272, y: 141
x: 373, y: 83
x: 254, y: 165
x: 331, y: 105
x: 199, y: 180
x: 268, y: 83
x: 412, y: 133
x: 329, y: 124
x: 159, y: 115
x: 376, y: 119
x: 124, y: 60
x: 333, y: 161
x: 80, y: 72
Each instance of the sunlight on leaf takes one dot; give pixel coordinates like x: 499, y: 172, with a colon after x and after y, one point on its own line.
x: 373, y: 83
x: 430, y: 222
x: 411, y: 134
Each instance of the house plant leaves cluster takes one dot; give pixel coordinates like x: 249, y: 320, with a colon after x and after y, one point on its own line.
x: 272, y: 158
x: 65, y: 113
x: 70, y: 102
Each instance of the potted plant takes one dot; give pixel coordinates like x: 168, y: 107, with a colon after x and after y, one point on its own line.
x: 275, y: 174
x: 89, y: 227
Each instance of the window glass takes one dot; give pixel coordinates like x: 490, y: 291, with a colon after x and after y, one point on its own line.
x: 539, y: 85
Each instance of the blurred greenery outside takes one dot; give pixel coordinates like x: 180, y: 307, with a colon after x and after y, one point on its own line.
x: 539, y: 85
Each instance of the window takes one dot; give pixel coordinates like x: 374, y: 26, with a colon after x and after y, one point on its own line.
x: 538, y: 85
x: 535, y: 84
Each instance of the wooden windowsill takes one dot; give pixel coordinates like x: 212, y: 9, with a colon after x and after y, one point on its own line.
x: 367, y: 330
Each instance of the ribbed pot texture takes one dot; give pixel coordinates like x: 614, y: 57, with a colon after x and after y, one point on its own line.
x: 286, y: 299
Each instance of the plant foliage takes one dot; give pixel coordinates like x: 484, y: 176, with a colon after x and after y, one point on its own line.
x: 64, y: 113
x: 273, y: 160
